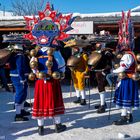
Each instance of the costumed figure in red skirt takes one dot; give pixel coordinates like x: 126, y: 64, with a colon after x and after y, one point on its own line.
x: 48, y: 65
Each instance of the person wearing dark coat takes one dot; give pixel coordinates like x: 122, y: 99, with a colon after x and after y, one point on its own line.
x: 101, y: 70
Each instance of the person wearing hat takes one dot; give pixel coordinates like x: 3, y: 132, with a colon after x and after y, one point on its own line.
x: 48, y: 66
x: 126, y: 93
x: 78, y: 75
x: 19, y: 70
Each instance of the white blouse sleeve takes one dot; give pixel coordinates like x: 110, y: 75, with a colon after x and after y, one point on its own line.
x: 126, y: 61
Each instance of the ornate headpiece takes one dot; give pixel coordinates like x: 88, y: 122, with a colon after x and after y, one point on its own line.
x: 126, y: 32
x: 49, y: 27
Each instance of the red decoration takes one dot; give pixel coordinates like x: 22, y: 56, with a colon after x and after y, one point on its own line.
x: 49, y: 14
x: 41, y: 15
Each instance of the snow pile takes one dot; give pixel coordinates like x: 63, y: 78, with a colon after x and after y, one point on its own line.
x: 136, y: 9
x: 83, y: 123
x: 4, y: 15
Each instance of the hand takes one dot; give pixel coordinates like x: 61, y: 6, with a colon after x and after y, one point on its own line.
x: 111, y: 71
x: 23, y: 82
x: 85, y: 73
x: 103, y: 73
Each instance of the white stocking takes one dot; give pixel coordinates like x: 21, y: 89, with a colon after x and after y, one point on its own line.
x: 129, y: 110
x: 77, y: 93
x: 40, y: 122
x: 83, y: 95
x: 18, y: 108
x: 57, y: 120
x: 102, y: 98
x: 123, y: 112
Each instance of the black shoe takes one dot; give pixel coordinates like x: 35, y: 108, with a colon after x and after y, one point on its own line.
x: 129, y: 118
x: 25, y: 113
x: 101, y: 109
x: 60, y: 128
x: 97, y: 106
x: 41, y: 130
x: 19, y: 117
x: 121, y: 121
x: 83, y: 102
x: 26, y: 104
x: 78, y: 101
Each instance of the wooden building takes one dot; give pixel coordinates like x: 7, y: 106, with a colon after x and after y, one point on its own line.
x: 109, y: 22
x: 103, y: 21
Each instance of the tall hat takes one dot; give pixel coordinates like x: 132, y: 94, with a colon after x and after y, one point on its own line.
x: 49, y: 28
x: 126, y: 32
x: 79, y: 42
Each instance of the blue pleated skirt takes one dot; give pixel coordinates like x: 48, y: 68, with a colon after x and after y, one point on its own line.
x: 126, y: 95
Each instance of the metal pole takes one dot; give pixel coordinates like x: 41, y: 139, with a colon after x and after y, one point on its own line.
x: 110, y: 104
x: 87, y: 82
x: 71, y: 82
x: 29, y: 95
x: 89, y: 89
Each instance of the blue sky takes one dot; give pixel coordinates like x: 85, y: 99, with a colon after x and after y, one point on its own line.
x: 85, y: 6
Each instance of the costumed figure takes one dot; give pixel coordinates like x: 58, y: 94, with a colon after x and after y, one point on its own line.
x: 48, y: 65
x: 78, y: 72
x: 101, y: 58
x: 4, y: 78
x: 126, y: 93
x: 4, y: 57
x: 19, y: 70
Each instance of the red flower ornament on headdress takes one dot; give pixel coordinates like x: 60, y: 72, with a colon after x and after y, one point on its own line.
x: 49, y: 27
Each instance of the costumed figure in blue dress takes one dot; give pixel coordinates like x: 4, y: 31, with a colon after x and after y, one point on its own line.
x: 126, y: 94
x: 48, y: 65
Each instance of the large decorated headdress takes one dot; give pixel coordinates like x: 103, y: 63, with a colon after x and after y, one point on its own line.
x: 49, y: 27
x: 126, y: 32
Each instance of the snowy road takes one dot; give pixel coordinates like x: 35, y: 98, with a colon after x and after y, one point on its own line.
x: 83, y: 123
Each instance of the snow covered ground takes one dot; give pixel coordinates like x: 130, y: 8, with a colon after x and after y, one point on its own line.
x: 83, y: 123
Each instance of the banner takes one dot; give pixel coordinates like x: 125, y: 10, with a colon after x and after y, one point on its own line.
x: 82, y: 27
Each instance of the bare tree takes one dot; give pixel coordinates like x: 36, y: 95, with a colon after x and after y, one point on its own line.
x: 27, y: 7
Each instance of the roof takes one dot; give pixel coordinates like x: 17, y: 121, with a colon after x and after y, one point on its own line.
x: 95, y: 17
x: 136, y: 9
